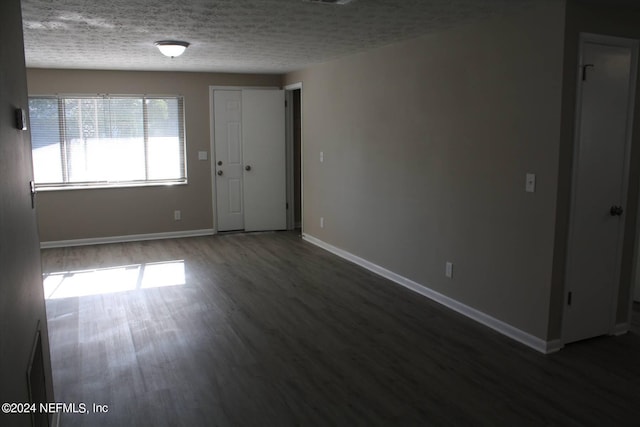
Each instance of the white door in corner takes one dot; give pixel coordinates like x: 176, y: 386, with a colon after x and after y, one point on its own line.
x: 250, y: 167
x: 227, y: 107
x: 264, y: 155
x: 604, y: 111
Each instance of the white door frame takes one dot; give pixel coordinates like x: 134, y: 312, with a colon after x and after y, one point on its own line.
x: 633, y: 46
x: 212, y: 144
x: 290, y: 159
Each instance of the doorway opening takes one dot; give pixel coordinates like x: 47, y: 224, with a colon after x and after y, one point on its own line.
x: 293, y: 97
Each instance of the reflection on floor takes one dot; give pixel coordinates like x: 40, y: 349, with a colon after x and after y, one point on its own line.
x: 99, y: 281
x: 265, y: 329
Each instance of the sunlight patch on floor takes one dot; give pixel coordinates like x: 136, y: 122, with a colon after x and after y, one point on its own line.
x: 68, y: 284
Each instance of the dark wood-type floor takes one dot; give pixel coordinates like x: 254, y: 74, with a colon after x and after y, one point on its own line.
x: 271, y: 331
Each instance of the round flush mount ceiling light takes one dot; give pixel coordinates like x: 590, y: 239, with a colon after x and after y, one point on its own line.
x: 171, y: 48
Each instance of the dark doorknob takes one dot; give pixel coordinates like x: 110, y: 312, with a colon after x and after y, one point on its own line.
x: 247, y: 168
x: 616, y: 210
x: 219, y: 173
x: 219, y: 162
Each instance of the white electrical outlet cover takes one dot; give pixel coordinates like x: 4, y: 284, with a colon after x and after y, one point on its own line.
x: 530, y: 185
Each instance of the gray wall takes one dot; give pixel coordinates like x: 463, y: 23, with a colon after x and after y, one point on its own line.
x: 21, y: 294
x: 426, y: 145
x: 78, y: 214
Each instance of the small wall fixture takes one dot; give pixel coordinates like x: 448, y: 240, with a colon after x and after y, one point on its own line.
x: 21, y: 119
x: 171, y: 48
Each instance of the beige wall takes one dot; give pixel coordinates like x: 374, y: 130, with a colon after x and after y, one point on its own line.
x: 426, y: 145
x: 22, y: 305
x: 78, y: 214
x: 613, y: 21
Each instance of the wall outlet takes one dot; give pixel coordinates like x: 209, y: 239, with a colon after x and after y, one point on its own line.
x: 321, y: 222
x: 177, y: 215
x: 448, y: 269
x: 530, y: 185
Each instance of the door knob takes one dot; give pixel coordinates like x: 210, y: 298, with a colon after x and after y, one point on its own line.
x: 616, y: 210
x: 247, y: 168
x: 219, y: 173
x: 219, y: 162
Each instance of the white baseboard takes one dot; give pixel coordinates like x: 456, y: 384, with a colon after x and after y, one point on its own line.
x: 127, y: 238
x: 621, y: 329
x: 512, y: 332
x: 553, y: 346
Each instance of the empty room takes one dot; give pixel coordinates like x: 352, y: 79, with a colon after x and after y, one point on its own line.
x: 319, y: 212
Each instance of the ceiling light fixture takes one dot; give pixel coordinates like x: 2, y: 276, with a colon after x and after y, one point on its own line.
x: 171, y: 48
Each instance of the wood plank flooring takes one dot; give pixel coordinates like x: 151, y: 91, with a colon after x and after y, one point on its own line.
x: 269, y: 330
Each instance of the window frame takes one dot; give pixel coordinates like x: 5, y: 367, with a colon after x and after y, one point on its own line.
x: 105, y: 184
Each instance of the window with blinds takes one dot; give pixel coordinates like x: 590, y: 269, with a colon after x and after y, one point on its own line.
x: 97, y: 141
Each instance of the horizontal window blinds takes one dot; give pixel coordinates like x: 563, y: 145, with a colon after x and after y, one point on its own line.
x: 107, y: 140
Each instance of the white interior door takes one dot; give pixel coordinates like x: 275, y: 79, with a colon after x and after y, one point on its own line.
x: 228, y: 159
x: 263, y: 130
x: 599, y: 183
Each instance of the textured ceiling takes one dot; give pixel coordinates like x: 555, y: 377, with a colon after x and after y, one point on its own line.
x: 271, y: 36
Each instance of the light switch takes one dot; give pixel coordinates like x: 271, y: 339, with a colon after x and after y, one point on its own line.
x: 530, y: 185
x: 202, y: 155
x: 448, y: 269
x: 321, y: 156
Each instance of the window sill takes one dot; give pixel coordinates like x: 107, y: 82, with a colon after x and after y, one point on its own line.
x: 47, y: 188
